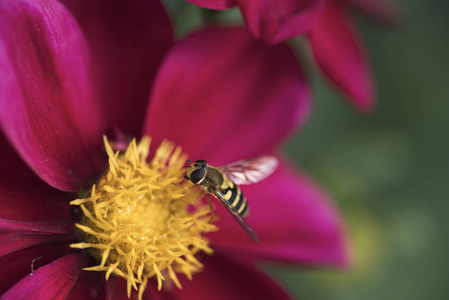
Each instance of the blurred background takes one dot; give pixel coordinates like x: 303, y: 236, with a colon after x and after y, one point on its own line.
x: 389, y: 171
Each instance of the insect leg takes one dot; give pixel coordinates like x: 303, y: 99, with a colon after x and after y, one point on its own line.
x: 212, y: 214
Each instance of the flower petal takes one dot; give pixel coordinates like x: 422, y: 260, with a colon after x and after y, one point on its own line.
x: 89, y: 286
x: 20, y: 263
x: 338, y: 50
x: 24, y: 210
x: 223, y: 278
x: 116, y: 290
x: 214, y: 4
x: 128, y: 41
x: 152, y: 293
x: 220, y: 90
x: 274, y: 21
x: 47, y: 106
x: 293, y: 218
x: 26, y: 202
x: 11, y: 242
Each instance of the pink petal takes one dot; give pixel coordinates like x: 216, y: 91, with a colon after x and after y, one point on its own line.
x: 26, y: 202
x: 214, y: 4
x: 128, y: 41
x: 275, y: 21
x: 116, y: 290
x: 223, y: 279
x: 385, y: 11
x: 48, y: 110
x: 11, y: 242
x: 89, y: 286
x: 19, y: 264
x: 24, y: 210
x: 339, y: 52
x: 220, y: 94
x: 293, y: 218
x: 152, y: 293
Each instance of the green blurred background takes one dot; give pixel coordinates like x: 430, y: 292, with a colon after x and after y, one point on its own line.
x: 388, y: 172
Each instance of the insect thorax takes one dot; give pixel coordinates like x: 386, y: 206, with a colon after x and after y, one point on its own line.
x: 214, y: 178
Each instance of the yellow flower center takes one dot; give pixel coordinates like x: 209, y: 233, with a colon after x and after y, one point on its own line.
x: 141, y: 221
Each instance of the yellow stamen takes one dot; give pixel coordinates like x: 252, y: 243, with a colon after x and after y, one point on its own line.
x: 137, y: 222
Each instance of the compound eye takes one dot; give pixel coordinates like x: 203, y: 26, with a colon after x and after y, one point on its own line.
x: 197, y: 175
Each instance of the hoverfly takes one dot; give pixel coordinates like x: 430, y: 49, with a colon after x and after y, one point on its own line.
x: 222, y: 183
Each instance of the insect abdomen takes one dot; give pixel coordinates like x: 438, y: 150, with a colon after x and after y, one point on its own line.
x: 234, y: 196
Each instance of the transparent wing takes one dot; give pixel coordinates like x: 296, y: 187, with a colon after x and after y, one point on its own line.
x: 236, y: 216
x: 250, y: 170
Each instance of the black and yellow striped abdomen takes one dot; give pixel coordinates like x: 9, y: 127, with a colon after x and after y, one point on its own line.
x: 234, y: 196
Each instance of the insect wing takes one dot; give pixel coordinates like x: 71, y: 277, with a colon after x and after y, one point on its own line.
x: 250, y: 170
x: 237, y: 216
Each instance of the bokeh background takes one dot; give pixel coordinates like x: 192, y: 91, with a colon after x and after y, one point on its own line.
x: 389, y: 171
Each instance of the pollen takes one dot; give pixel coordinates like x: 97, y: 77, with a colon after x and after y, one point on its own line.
x: 141, y: 222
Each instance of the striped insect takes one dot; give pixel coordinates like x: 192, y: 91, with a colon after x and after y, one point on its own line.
x: 222, y: 183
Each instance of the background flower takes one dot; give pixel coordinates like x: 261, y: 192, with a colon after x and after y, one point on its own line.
x: 334, y: 41
x: 274, y: 22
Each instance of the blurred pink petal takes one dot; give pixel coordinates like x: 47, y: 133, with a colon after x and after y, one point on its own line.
x: 128, y: 41
x: 18, y: 264
x: 47, y: 108
x: 239, y: 94
x: 214, y: 4
x: 224, y: 279
x: 293, y: 218
x: 339, y: 52
x: 385, y: 11
x: 274, y: 21
x: 26, y: 202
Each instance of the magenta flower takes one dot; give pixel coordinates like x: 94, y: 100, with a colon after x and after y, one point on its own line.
x: 336, y: 45
x: 73, y: 73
